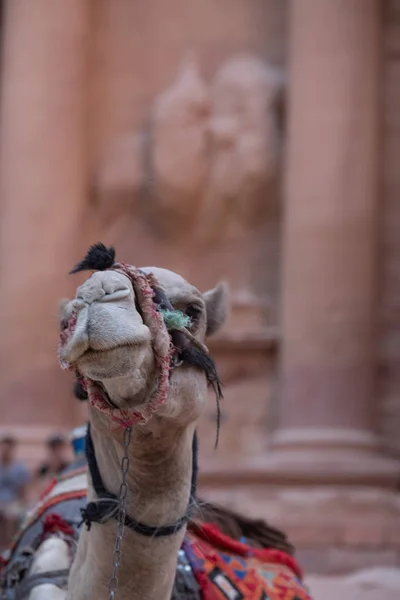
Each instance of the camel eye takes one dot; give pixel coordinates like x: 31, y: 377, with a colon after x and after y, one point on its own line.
x: 194, y: 312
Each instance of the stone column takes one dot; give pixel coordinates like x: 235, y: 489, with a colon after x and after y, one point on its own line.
x: 42, y: 192
x: 327, y: 407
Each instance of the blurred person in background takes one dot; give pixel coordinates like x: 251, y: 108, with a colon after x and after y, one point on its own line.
x: 14, y: 478
x: 59, y: 453
x: 56, y: 460
x: 78, y: 443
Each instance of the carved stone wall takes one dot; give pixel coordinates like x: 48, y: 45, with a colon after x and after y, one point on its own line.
x: 186, y: 172
x: 159, y: 134
x: 204, y: 172
x: 389, y: 288
x: 43, y: 184
x: 156, y: 126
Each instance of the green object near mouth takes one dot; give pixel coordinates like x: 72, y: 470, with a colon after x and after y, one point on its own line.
x: 175, y: 319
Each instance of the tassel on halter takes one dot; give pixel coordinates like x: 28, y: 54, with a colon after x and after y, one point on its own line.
x: 54, y: 524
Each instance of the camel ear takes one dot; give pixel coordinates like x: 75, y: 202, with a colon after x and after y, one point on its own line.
x: 217, y: 307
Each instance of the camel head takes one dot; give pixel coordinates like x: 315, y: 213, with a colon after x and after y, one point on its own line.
x: 136, y: 339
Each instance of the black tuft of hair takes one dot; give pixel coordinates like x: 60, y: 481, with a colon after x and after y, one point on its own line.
x: 196, y: 358
x: 98, y: 258
x: 258, y: 533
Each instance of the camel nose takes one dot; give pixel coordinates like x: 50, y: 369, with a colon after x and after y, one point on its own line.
x: 104, y: 287
x: 106, y: 316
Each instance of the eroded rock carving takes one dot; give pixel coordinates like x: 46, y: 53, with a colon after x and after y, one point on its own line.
x: 212, y: 151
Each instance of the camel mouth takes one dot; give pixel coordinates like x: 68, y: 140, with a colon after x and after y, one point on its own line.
x: 96, y: 352
x: 83, y: 352
x: 136, y: 343
x: 111, y: 362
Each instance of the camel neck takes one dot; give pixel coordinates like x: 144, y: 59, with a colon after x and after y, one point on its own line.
x: 159, y: 488
x: 107, y: 505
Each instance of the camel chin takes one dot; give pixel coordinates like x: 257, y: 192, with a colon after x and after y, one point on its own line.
x: 113, y: 362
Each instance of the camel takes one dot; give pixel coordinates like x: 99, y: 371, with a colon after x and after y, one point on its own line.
x: 136, y: 340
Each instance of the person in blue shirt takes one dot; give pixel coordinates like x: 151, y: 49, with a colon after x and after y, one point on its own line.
x: 14, y: 478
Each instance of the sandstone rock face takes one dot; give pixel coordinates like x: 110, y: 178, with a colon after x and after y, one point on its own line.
x: 42, y: 198
x: 112, y: 142
x: 179, y: 152
x: 244, y: 145
x: 206, y: 160
x: 120, y: 178
x: 372, y: 584
x: 389, y: 271
x: 153, y: 126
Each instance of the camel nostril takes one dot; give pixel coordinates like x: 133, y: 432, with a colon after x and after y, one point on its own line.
x: 118, y: 294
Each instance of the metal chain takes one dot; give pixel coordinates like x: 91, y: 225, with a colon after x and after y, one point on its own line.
x: 123, y: 491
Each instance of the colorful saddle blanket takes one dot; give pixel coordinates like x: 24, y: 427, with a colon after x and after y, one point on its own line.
x: 227, y: 569
x: 210, y: 566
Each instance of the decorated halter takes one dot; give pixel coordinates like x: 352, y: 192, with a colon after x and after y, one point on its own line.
x: 164, y: 322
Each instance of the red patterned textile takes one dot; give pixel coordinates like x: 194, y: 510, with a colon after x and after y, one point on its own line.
x: 225, y: 569
x: 229, y: 570
x: 53, y: 495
